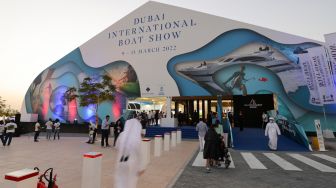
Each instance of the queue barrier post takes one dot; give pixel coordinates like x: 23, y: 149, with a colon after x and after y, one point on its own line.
x: 173, y: 139
x: 178, y: 136
x: 157, y: 145
x: 166, y: 142
x: 91, y: 172
x: 145, y: 151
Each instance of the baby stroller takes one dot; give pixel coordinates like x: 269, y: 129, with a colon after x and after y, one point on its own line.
x: 224, y: 154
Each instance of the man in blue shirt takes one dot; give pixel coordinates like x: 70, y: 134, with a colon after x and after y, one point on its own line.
x: 105, y: 127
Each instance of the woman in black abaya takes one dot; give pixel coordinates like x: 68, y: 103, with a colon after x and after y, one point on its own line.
x: 211, y: 147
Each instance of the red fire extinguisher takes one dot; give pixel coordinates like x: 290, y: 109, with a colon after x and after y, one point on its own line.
x: 51, y: 181
x: 41, y: 184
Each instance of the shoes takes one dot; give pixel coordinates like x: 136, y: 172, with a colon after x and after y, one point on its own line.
x: 35, y: 140
x: 208, y: 170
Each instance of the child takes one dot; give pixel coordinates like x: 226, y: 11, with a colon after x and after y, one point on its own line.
x: 91, y: 132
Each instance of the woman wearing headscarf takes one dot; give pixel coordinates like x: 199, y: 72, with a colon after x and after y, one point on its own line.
x: 272, y: 131
x: 117, y: 130
x: 129, y: 165
x: 211, y: 147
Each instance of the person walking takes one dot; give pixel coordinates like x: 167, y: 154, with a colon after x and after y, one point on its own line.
x: 37, y: 129
x: 10, y: 130
x: 211, y: 147
x: 117, y: 130
x: 57, y: 126
x: 49, y: 126
x: 105, y: 127
x: 2, y: 132
x: 201, y: 128
x: 272, y: 131
x: 129, y: 163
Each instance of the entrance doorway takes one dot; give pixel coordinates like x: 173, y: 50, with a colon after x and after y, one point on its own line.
x: 190, y: 108
x: 248, y: 109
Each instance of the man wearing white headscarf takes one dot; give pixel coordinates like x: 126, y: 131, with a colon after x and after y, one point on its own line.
x: 129, y: 164
x: 272, y: 131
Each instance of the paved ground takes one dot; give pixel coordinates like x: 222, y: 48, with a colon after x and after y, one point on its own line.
x: 65, y: 156
x: 291, y: 171
x: 182, y: 167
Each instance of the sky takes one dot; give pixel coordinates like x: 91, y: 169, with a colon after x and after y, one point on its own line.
x: 35, y: 34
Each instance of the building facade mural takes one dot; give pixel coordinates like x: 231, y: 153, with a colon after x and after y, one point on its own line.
x: 161, y: 50
x: 46, y: 95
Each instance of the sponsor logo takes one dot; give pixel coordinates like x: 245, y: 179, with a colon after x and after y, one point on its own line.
x: 253, y: 104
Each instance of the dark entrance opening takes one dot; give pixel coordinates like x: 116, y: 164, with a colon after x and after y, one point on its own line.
x: 248, y: 109
x: 194, y: 107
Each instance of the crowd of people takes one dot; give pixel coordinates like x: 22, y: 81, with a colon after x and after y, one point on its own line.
x: 150, y: 118
x: 52, y: 128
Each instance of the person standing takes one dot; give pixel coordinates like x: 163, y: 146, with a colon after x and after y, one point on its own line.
x: 241, y: 119
x: 10, y: 130
x: 156, y: 117
x: 95, y: 126
x: 272, y: 131
x: 201, y: 128
x: 92, y: 132
x: 57, y: 126
x: 2, y: 132
x: 37, y: 129
x: 105, y: 127
x: 211, y: 147
x: 49, y: 126
x: 264, y: 117
x: 220, y: 132
x: 129, y: 163
x: 117, y: 131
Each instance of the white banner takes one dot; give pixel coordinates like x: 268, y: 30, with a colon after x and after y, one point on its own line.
x: 319, y: 135
x: 331, y: 46
x: 323, y: 78
x: 309, y: 78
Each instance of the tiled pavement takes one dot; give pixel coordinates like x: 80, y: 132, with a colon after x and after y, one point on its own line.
x: 65, y: 156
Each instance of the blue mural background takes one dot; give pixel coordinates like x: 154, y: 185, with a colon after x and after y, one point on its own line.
x: 45, y: 96
x: 291, y: 103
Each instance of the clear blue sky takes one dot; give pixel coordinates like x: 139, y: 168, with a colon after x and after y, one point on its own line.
x: 36, y: 33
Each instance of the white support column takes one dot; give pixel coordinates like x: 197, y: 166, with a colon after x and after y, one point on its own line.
x: 91, y: 172
x: 173, y: 138
x: 166, y: 142
x: 25, y: 178
x: 157, y: 145
x: 145, y: 152
x: 179, y: 136
x: 168, y: 107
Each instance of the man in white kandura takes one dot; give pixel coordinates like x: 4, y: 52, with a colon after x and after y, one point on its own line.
x: 272, y: 131
x: 129, y: 164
